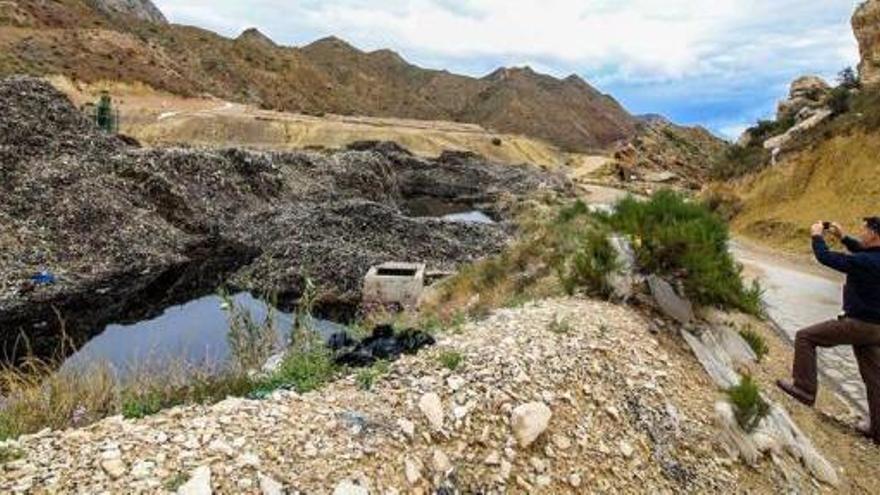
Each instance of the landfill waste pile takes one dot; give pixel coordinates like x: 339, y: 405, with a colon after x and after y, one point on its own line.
x: 122, y: 232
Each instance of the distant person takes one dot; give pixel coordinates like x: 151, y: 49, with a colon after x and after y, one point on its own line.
x: 858, y: 326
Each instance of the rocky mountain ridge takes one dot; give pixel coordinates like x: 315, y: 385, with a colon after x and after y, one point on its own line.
x: 76, y: 39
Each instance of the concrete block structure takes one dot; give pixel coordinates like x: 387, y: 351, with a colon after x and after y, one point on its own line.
x: 395, y: 283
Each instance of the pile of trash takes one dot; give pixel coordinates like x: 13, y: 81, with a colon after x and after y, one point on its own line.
x: 108, y: 219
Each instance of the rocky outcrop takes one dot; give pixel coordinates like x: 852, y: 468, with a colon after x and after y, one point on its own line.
x: 866, y: 25
x: 807, y: 94
x: 143, y: 10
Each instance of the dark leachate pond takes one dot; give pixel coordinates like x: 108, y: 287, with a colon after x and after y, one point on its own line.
x: 188, y: 336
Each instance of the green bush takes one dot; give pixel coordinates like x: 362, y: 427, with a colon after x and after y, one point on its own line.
x: 839, y: 100
x: 748, y: 405
x: 674, y: 236
x: 366, y: 378
x: 756, y: 341
x: 451, y: 360
x: 739, y: 161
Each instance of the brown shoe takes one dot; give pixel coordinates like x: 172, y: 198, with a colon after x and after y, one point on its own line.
x: 796, y: 393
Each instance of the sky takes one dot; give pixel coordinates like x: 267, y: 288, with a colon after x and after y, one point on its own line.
x: 722, y: 64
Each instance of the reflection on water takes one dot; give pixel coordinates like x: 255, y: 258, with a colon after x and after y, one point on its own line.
x: 191, y: 335
x: 469, y: 217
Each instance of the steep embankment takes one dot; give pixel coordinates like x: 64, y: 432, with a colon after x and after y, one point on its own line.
x: 834, y: 180
x: 818, y: 159
x: 329, y: 76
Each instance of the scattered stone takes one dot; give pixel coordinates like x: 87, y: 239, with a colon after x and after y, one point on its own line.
x: 346, y: 487
x: 626, y: 449
x: 407, y: 427
x: 412, y: 471
x: 529, y: 421
x: 269, y: 486
x: 441, y: 462
x: 199, y: 483
x: 432, y: 408
x: 575, y: 480
x: 114, y: 468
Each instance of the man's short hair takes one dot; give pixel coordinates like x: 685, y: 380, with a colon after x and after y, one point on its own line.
x: 873, y: 223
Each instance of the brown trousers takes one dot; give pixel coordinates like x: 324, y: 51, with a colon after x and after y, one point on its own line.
x: 865, y: 339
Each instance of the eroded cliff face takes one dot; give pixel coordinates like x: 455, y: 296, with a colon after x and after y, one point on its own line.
x: 866, y: 25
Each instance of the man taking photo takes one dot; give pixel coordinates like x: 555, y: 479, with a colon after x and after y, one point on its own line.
x: 858, y: 326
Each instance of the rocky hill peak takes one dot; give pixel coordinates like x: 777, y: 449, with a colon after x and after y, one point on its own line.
x: 866, y: 25
x: 254, y: 35
x: 143, y: 10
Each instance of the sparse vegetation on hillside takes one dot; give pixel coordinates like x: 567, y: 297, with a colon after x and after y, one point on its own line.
x: 565, y: 250
x: 748, y: 405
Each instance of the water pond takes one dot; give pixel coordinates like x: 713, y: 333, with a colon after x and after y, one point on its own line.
x: 188, y: 336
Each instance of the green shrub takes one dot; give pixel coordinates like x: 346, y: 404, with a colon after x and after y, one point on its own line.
x: 366, y: 378
x: 756, y: 341
x: 301, y: 370
x: 590, y: 264
x: 451, y: 360
x: 748, y: 405
x: 674, y: 236
x: 9, y: 454
x: 739, y: 161
x: 560, y: 327
x: 174, y: 483
x: 839, y: 100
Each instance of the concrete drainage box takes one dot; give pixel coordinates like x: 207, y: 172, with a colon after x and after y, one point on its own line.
x: 395, y: 283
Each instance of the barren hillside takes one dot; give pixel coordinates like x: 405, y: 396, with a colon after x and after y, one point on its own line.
x: 72, y: 38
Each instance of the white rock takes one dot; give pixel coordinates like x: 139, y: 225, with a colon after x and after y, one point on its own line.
x: 407, y: 427
x: 114, y: 468
x: 412, y: 471
x: 506, y: 468
x: 269, y: 486
x: 575, y: 480
x: 529, y: 421
x: 432, y: 408
x: 346, y: 487
x: 441, y: 462
x: 455, y: 383
x: 626, y: 449
x: 199, y: 483
x: 142, y: 469
x: 493, y: 459
x: 220, y: 447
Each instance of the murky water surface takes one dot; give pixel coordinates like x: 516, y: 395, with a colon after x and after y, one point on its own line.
x: 188, y: 336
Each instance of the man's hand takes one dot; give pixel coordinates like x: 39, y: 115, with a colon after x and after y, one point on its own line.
x: 818, y: 229
x: 837, y: 231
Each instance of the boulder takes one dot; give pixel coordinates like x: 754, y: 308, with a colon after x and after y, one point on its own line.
x: 782, y: 141
x: 807, y: 92
x: 866, y: 26
x: 673, y: 305
x: 529, y: 421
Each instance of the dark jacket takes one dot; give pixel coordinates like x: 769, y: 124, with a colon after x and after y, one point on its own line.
x: 861, y: 294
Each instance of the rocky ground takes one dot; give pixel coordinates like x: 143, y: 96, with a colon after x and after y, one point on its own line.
x: 561, y: 396
x: 124, y: 229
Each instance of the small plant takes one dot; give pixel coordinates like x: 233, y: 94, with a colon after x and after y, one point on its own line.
x: 136, y: 407
x: 302, y: 370
x: 756, y: 341
x: 748, y: 405
x: 174, y: 483
x: 9, y: 454
x: 250, y: 342
x: 451, y: 360
x: 560, y: 327
x: 367, y: 377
